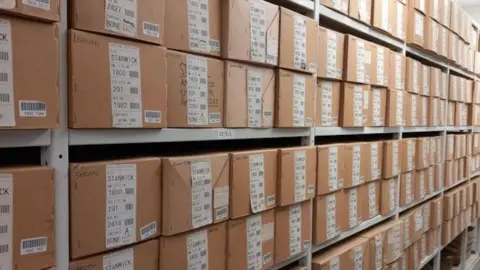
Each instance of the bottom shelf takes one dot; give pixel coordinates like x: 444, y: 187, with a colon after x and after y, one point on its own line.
x: 290, y: 260
x: 473, y: 263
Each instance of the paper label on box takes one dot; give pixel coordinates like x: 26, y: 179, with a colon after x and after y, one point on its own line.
x: 435, y: 113
x: 400, y: 32
x: 424, y: 111
x: 197, y: 89
x: 426, y: 216
x: 197, y: 250
x: 398, y: 71
x: 220, y: 202
x: 435, y: 37
x: 7, y: 108
x: 372, y: 200
x: 332, y: 168
x: 272, y: 50
x: 419, y: 24
x: 408, y: 189
x: 392, y: 194
x: 375, y: 172
x: 300, y: 42
x: 254, y: 80
x: 154, y: 117
x: 426, y: 81
x: 378, y: 252
x: 365, y: 99
x: 258, y: 30
x: 299, y: 87
x: 380, y: 66
x: 120, y: 15
x: 406, y: 231
x: 201, y: 193
x: 122, y: 259
x: 421, y: 181
x: 357, y: 258
x: 149, y: 29
x: 295, y: 214
x: 300, y: 175
x: 425, y: 152
x: 418, y: 221
x: 352, y: 207
x: 148, y: 230
x: 121, y: 204
x: 410, y: 154
x: 356, y: 156
x: 6, y: 221
x: 395, y: 155
x: 399, y: 109
x: 377, y: 117
x: 327, y: 97
x: 414, y: 110
x: 254, y: 242
x: 257, y: 182
x: 268, y: 231
x: 331, y: 216
x: 385, y: 13
x: 361, y: 61
x: 7, y: 4
x: 331, y: 63
x: 414, y: 74
x: 198, y: 25
x: 357, y: 105
x: 431, y: 179
x: 125, y: 83
x: 335, y: 263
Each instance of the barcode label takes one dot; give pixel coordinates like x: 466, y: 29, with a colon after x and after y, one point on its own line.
x: 214, y: 118
x: 32, y: 108
x: 4, y: 209
x: 121, y: 16
x: 4, y: 248
x: 3, y: 77
x: 7, y: 108
x: 134, y: 106
x: 151, y: 29
x: 148, y: 230
x: 3, y: 229
x: 33, y: 245
x: 154, y: 117
x: 4, y: 56
x: 4, y: 98
x: 43, y: 4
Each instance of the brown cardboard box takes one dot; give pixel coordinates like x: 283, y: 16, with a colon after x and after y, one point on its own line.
x: 355, y: 205
x: 212, y: 241
x: 461, y: 114
x: 400, y: 20
x: 442, y: 105
x: 330, y: 175
x: 435, y: 82
x: 180, y: 211
x: 395, y: 99
x: 361, y: 10
x: 453, y: 91
x: 292, y: 230
x: 448, y: 205
x: 422, y: 111
x: 421, y: 185
x: 378, y: 110
x: 357, y: 165
x: 447, y: 236
x: 369, y: 191
x: 381, y: 65
x: 384, y: 15
x: 422, y: 153
x: 351, y: 254
x: 391, y: 158
x: 449, y: 173
x: 327, y: 103
x: 430, y: 180
x: 416, y: 27
x: 329, y: 222
x: 196, y: 35
x: 95, y: 228
x: 434, y: 9
x: 237, y: 39
x: 259, y: 168
x: 413, y: 221
x: 407, y: 154
x: 440, y: 149
x: 28, y: 192
x: 330, y: 57
x: 413, y: 79
x: 450, y: 145
x: 202, y: 112
x: 425, y: 91
x: 453, y: 41
x: 296, y: 174
x: 341, y: 5
x: 445, y: 13
x: 136, y: 101
x: 476, y: 91
x: 294, y: 99
x: 451, y: 113
x: 439, y: 176
x: 397, y: 70
x: 410, y: 109
x: 249, y: 95
x: 30, y: 91
x: 433, y: 40
x: 298, y: 42
x: 418, y: 5
x: 433, y: 112
x: 358, y: 69
x: 386, y: 243
x: 426, y: 215
x: 407, y: 188
x: 143, y: 21
x: 444, y: 88
x: 376, y: 160
x: 140, y: 256
x: 48, y: 11
x: 356, y: 105
x: 389, y: 196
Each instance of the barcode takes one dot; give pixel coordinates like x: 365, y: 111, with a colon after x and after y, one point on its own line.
x: 152, y: 114
x: 4, y: 209
x: 133, y: 74
x: 221, y: 212
x: 203, y: 107
x: 3, y: 77
x: 133, y: 90
x: 128, y: 222
x: 215, y: 116
x: 4, y: 248
x: 34, y: 243
x: 4, y: 56
x: 129, y: 13
x: 149, y: 229
x: 150, y: 27
x: 44, y: 2
x: 129, y: 206
x: 32, y: 106
x: 129, y: 191
x: 134, y: 106
x: 3, y: 229
x: 4, y: 97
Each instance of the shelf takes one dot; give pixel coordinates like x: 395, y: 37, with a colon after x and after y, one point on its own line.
x: 290, y: 260
x: 339, y: 131
x: 24, y: 138
x: 475, y: 174
x: 473, y: 263
x: 412, y: 205
x: 429, y: 258
x: 459, y: 129
x: 422, y: 129
x: 124, y: 136
x: 418, y: 52
x: 363, y: 226
x: 455, y: 185
x: 305, y: 4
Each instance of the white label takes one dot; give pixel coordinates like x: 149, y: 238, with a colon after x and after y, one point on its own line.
x: 365, y: 99
x: 426, y: 81
x: 197, y: 250
x: 399, y: 109
x: 392, y: 194
x: 400, y: 20
x: 357, y: 105
x: 372, y: 200
x: 148, y: 230
x: 352, y: 207
x: 254, y: 80
x: 377, y: 112
x: 221, y: 202
x: 410, y: 154
x: 154, y: 117
x: 197, y: 89
x: 435, y: 113
x: 201, y: 193
x: 406, y: 231
x: 421, y: 181
x: 424, y: 111
x: 419, y: 24
x: 272, y: 50
x: 380, y: 66
x: 414, y: 110
x: 426, y: 216
x: 123, y: 260
x: 361, y: 61
x: 258, y: 30
x: 300, y: 42
x: 356, y: 156
x: 408, y: 189
x: 358, y: 258
x: 418, y: 221
x: 33, y: 245
x: 7, y: 110
x: 298, y: 100
x: 125, y: 83
x: 6, y: 221
x: 331, y: 216
x: 268, y: 231
x: 378, y: 252
x: 375, y: 171
x: 257, y: 182
x: 414, y: 74
x: 395, y: 158
x: 121, y: 204
x: 300, y: 175
x: 198, y: 25
x: 120, y: 15
x: 431, y: 179
x: 333, y: 168
x: 385, y: 13
x: 331, y: 63
x: 150, y: 29
x: 33, y: 108
x: 327, y: 97
x: 295, y: 214
x: 398, y: 71
x: 254, y: 242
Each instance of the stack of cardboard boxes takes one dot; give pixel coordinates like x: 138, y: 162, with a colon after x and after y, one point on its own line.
x: 474, y: 113
x: 459, y: 101
x: 475, y: 159
x: 458, y: 152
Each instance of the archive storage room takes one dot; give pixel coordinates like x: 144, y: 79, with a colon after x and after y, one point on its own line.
x: 239, y: 135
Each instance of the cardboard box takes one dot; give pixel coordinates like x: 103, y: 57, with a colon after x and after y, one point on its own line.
x: 296, y: 174
x: 239, y: 42
x: 381, y: 66
x: 206, y: 110
x: 433, y: 112
x: 391, y: 158
x: 328, y: 217
x: 426, y: 216
x: 433, y: 39
x: 461, y: 114
x: 414, y: 82
x: 407, y: 188
x: 201, y: 35
x: 330, y: 175
x: 416, y: 27
x: 440, y: 152
x: 450, y: 145
x: 451, y: 113
x: 410, y: 107
x: 294, y: 99
x: 448, y: 205
x: 421, y: 184
x: 453, y: 41
x: 425, y: 90
x: 369, y: 191
x: 434, y: 9
x: 134, y: 101
x: 397, y: 70
x: 341, y: 6
x: 351, y: 254
x: 258, y: 168
x: 442, y: 105
x: 389, y: 196
x: 422, y: 109
x: 444, y: 88
x: 395, y: 99
x: 443, y: 41
x: 439, y: 176
x: 141, y: 256
x: 181, y: 177
x: 422, y: 153
x: 476, y: 91
x: 413, y: 221
x: 30, y: 92
x: 298, y: 41
x: 143, y: 21
x: 378, y: 110
x: 356, y: 105
x: 330, y: 58
x: 292, y: 230
x: 376, y: 160
x: 28, y: 216
x: 361, y: 10
x: 249, y: 96
x: 400, y: 20
x: 46, y: 11
x: 327, y: 103
x: 447, y: 236
x: 211, y: 241
x: 453, y: 93
x: 386, y: 243
x: 358, y: 69
x: 357, y: 165
x: 384, y: 15
x: 95, y: 229
x: 419, y: 5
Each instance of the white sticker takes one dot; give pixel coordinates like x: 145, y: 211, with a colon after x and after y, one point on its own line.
x: 375, y: 171
x: 426, y: 81
x: 272, y: 49
x: 378, y: 252
x: 372, y: 200
x: 406, y: 231
x: 357, y: 105
x: 154, y: 117
x: 125, y: 83
x: 254, y: 242
x: 398, y: 72
x: 414, y: 74
x: 431, y: 179
x: 424, y: 111
x: 414, y: 110
x: 408, y: 189
x: 392, y: 194
x: 361, y: 76
x: 385, y: 13
x: 254, y: 80
x: 268, y: 231
x: 295, y: 214
x: 410, y: 154
x: 122, y: 259
x: 421, y: 181
x: 33, y: 245
x: 197, y: 250
x: 356, y: 156
x: 121, y: 204
x: 327, y: 97
x: 419, y: 24
x: 435, y: 113
x: 331, y: 216
x: 258, y: 28
x: 358, y: 258
x: 201, y: 193
x: 221, y: 202
x: 120, y: 15
x: 418, y: 221
x: 7, y: 108
x: 365, y: 99
x: 376, y: 108
x: 331, y: 63
x: 400, y: 32
x: 352, y: 207
x: 380, y: 65
x: 399, y: 109
x: 257, y: 182
x: 32, y: 108
x: 197, y: 89
x: 300, y: 42
x: 6, y: 221
x: 426, y: 216
x: 148, y: 230
x: 198, y: 25
x: 395, y: 153
x: 299, y: 88
x: 300, y: 163
x: 150, y: 29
